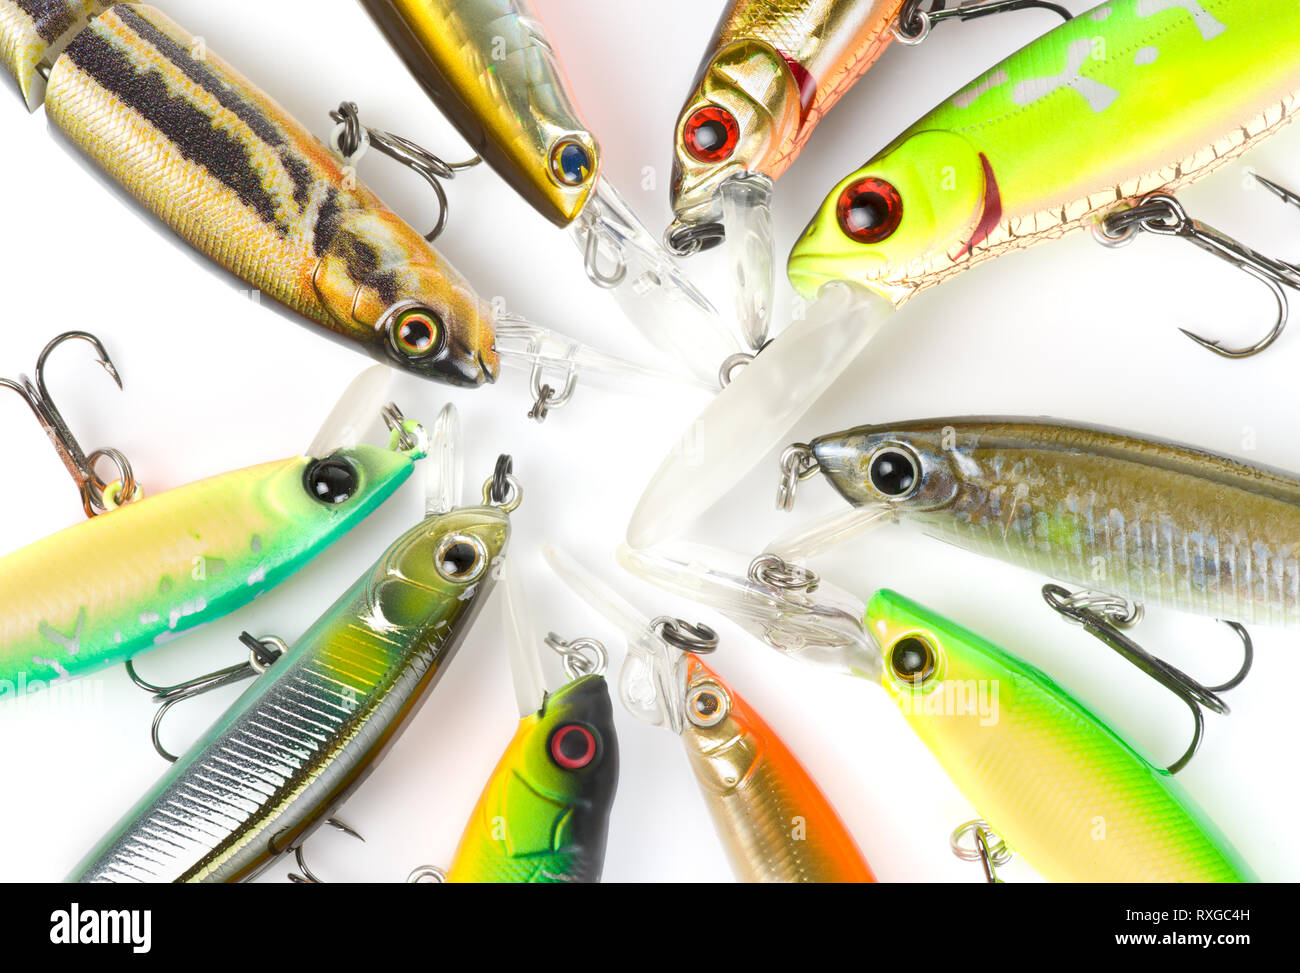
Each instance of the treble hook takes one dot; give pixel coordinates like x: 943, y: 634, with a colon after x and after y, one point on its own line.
x: 1163, y: 214
x: 304, y: 875
x: 914, y: 24
x: 1104, y: 617
x: 95, y: 493
x: 351, y: 138
x: 261, y: 654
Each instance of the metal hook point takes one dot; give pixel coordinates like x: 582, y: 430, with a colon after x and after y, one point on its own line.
x: 304, y: 875
x: 94, y: 489
x: 1103, y: 616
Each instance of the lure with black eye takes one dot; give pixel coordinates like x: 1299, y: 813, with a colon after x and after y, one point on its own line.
x: 117, y: 585
x: 544, y: 814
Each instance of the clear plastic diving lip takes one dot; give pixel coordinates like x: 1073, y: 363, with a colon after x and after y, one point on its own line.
x: 622, y: 256
x: 754, y: 414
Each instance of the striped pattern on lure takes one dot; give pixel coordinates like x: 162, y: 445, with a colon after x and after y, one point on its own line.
x: 239, y: 179
x: 490, y: 68
x: 1134, y: 96
x: 108, y: 588
x: 32, y: 35
x: 309, y: 730
x: 773, y: 820
x: 1058, y: 785
x: 544, y: 814
x: 775, y: 68
x: 1152, y: 521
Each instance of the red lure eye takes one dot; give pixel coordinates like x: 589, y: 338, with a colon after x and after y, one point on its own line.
x: 573, y: 746
x: 869, y: 210
x: 711, y: 134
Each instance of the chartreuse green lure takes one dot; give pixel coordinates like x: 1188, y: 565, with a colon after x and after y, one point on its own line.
x: 1131, y: 97
x: 108, y: 588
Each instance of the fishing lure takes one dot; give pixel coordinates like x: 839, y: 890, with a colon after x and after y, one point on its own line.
x: 771, y: 817
x: 310, y: 729
x: 492, y: 70
x: 1075, y: 130
x: 1148, y: 520
x: 150, y: 570
x: 244, y: 183
x: 544, y: 814
x: 1036, y: 764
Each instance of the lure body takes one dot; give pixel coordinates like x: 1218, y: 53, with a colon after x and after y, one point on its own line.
x: 240, y: 180
x: 544, y: 814
x: 309, y: 730
x: 1132, y: 97
x: 108, y: 588
x: 1153, y: 521
x: 776, y: 67
x: 32, y: 35
x: 491, y: 69
x: 773, y: 820
x: 1057, y: 784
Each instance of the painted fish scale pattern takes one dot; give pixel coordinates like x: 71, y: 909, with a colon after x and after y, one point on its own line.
x: 33, y: 32
x: 65, y: 613
x: 237, y: 177
x: 834, y: 43
x: 1100, y: 812
x: 1225, y: 548
x: 1102, y: 78
x: 320, y: 702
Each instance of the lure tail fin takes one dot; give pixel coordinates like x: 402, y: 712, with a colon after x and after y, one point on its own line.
x: 33, y: 35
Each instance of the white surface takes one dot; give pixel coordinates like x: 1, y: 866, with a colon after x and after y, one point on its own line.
x: 213, y: 383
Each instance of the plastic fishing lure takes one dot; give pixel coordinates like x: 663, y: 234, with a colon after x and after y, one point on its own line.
x: 1074, y: 129
x: 1148, y: 520
x: 492, y: 70
x: 544, y: 813
x: 1037, y: 765
x: 247, y: 185
x: 757, y: 791
x: 309, y: 730
x: 152, y: 569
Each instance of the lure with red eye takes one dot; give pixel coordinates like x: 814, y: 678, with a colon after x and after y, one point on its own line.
x: 869, y: 210
x: 544, y: 814
x: 710, y: 134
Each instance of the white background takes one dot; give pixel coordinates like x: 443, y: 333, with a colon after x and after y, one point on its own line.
x: 1068, y: 329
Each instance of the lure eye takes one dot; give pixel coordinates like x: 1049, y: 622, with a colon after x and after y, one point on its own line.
x: 892, y: 472
x: 573, y: 746
x: 460, y: 558
x: 912, y: 658
x: 571, y: 162
x: 706, y: 706
x: 331, y: 480
x: 869, y: 210
x: 417, y: 333
x: 711, y: 134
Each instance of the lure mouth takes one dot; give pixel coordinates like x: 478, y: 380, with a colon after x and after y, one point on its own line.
x: 752, y: 415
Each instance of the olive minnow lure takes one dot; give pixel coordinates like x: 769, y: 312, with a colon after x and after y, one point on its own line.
x: 1039, y: 767
x: 771, y: 817
x: 544, y: 814
x: 1075, y: 130
x: 493, y: 71
x: 1071, y: 128
x: 150, y: 570
x: 1151, y: 521
x: 772, y: 71
x: 310, y: 729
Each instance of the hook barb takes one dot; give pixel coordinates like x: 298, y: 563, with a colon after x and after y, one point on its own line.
x: 304, y: 875
x: 97, y: 495
x: 1103, y: 618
